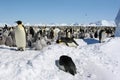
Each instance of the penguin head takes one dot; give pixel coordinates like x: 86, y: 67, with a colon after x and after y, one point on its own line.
x: 19, y: 22
x: 58, y: 41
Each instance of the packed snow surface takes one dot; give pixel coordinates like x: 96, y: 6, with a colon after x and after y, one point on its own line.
x: 94, y: 61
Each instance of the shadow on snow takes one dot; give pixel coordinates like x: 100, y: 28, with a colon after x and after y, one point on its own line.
x: 91, y: 41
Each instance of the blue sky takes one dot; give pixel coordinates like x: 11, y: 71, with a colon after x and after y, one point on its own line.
x: 58, y: 11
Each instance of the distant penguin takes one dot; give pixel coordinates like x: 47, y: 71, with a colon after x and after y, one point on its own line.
x: 56, y: 31
x: 43, y: 42
x: 68, y: 41
x: 20, y: 36
x: 5, y: 30
x: 2, y: 39
x: 48, y: 41
x: 9, y: 41
x: 102, y: 36
x: 95, y: 34
x: 40, y: 43
x: 29, y: 40
x: 51, y: 34
x: 32, y: 32
x: 37, y: 36
x: 3, y: 36
x: 12, y: 34
x: 66, y: 64
x: 37, y: 45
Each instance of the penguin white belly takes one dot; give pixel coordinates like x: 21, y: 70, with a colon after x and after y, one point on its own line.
x: 69, y: 35
x: 72, y: 44
x: 103, y: 36
x: 20, y: 37
x: 61, y: 67
x: 69, y: 44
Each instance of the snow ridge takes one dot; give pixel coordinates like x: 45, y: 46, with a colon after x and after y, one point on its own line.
x: 93, y: 61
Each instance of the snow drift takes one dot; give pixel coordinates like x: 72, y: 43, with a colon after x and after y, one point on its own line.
x: 103, y: 23
x: 98, y: 61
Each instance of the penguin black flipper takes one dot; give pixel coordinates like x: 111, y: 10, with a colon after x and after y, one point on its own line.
x: 75, y: 42
x: 66, y: 43
x: 68, y: 64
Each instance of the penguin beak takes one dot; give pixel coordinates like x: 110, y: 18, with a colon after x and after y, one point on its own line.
x: 59, y: 41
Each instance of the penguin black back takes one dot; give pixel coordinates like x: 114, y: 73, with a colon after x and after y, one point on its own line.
x: 100, y: 35
x: 68, y: 64
x: 32, y: 32
x: 66, y: 40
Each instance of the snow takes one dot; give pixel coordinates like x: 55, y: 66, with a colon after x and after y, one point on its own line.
x: 103, y: 23
x: 94, y: 61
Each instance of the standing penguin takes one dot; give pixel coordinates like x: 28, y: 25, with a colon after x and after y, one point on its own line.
x: 102, y: 36
x: 20, y: 36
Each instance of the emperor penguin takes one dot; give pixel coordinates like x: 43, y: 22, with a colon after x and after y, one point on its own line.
x: 66, y: 64
x: 102, y: 36
x: 68, y: 41
x: 20, y: 36
x: 31, y: 31
x: 2, y: 39
x: 9, y: 41
x: 12, y: 35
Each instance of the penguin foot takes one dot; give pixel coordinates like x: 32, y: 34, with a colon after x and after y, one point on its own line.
x: 20, y: 49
